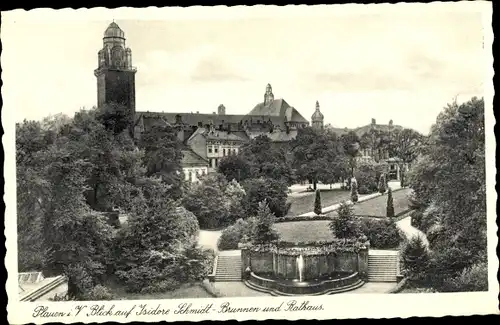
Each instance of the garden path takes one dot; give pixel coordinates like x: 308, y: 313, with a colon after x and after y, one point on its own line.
x: 394, y: 185
x: 405, y: 225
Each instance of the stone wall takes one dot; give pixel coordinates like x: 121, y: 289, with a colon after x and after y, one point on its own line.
x: 285, y: 266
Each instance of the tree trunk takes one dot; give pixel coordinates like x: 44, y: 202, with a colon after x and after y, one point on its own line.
x: 315, y: 181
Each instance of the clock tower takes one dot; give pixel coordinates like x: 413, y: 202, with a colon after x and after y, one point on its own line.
x: 115, y: 73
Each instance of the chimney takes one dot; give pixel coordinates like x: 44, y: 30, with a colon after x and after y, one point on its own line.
x: 390, y: 123
x: 373, y: 121
x: 178, y: 119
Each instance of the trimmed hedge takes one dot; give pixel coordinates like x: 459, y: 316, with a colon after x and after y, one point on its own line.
x: 382, y: 234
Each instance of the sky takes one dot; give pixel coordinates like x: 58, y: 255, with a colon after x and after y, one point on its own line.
x: 402, y: 64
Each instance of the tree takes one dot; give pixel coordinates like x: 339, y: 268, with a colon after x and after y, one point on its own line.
x: 235, y: 167
x: 271, y: 190
x: 390, y: 204
x: 163, y: 155
x: 405, y: 144
x: 351, y: 145
x: 354, y: 191
x: 415, y: 259
x: 344, y: 225
x: 209, y: 203
x: 451, y: 173
x: 263, y: 231
x: 317, y: 203
x: 316, y: 156
x: 382, y: 184
x: 235, y: 194
x: 153, y: 246
x: 263, y: 158
x: 116, y: 118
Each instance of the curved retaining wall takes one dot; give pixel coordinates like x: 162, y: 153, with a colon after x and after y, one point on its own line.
x: 297, y: 289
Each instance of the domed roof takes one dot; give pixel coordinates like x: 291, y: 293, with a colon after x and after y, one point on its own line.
x: 114, y: 30
x: 317, y: 115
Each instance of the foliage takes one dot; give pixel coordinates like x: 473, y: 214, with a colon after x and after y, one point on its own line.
x: 449, y: 178
x: 345, y: 225
x: 367, y: 175
x: 115, y: 117
x: 214, y: 201
x: 415, y: 260
x: 317, y: 203
x: 382, y: 184
x: 318, y: 156
x: 354, y: 191
x: 70, y: 169
x: 335, y: 246
x: 163, y: 155
x: 390, y: 204
x: 262, y: 158
x: 263, y: 231
x: 240, y: 232
x: 382, y: 234
x: 271, y: 190
x: 235, y: 167
x: 156, y: 245
x: 98, y: 293
x: 472, y: 278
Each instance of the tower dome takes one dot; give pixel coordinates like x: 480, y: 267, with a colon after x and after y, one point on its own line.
x: 114, y: 31
x: 317, y: 118
x: 317, y: 115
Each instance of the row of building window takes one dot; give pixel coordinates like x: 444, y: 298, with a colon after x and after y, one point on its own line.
x: 225, y: 151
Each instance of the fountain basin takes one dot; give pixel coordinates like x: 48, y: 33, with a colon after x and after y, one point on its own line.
x: 305, y: 270
x: 291, y: 287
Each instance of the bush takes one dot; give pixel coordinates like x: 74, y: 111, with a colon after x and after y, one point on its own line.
x: 415, y: 260
x: 473, y: 278
x: 271, y: 190
x: 165, y: 285
x: 416, y: 218
x: 303, y: 218
x: 235, y: 234
x: 345, y: 226
x: 263, y: 231
x: 98, y: 293
x: 317, y: 203
x: 431, y: 216
x: 390, y: 205
x: 382, y: 234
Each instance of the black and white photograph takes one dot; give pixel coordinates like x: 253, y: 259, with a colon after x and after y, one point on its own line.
x: 178, y: 161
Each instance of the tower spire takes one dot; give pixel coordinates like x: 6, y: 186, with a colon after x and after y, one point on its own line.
x: 268, y: 96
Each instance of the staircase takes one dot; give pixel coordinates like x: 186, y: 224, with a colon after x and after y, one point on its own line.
x: 382, y: 266
x: 228, y: 266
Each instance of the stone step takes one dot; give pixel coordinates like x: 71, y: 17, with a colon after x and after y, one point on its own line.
x: 275, y: 293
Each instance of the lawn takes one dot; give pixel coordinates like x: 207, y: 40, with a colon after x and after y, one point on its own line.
x: 185, y: 291
x: 318, y: 229
x: 304, y: 230
x: 377, y: 207
x: 305, y: 203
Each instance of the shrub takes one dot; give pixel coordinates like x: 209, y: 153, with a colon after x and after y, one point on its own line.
x: 415, y: 260
x: 344, y: 226
x: 317, y: 203
x: 98, y: 293
x: 390, y: 204
x: 382, y: 234
x: 473, y: 278
x: 263, y: 232
x: 354, y: 191
x: 234, y: 234
x: 430, y: 217
x: 271, y: 190
x: 382, y: 184
x: 168, y: 284
x: 209, y: 202
x: 416, y: 218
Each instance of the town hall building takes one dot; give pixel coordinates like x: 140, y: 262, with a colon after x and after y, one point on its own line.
x: 207, y: 137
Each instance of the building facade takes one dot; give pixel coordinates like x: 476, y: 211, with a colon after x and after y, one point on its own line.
x: 208, y: 138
